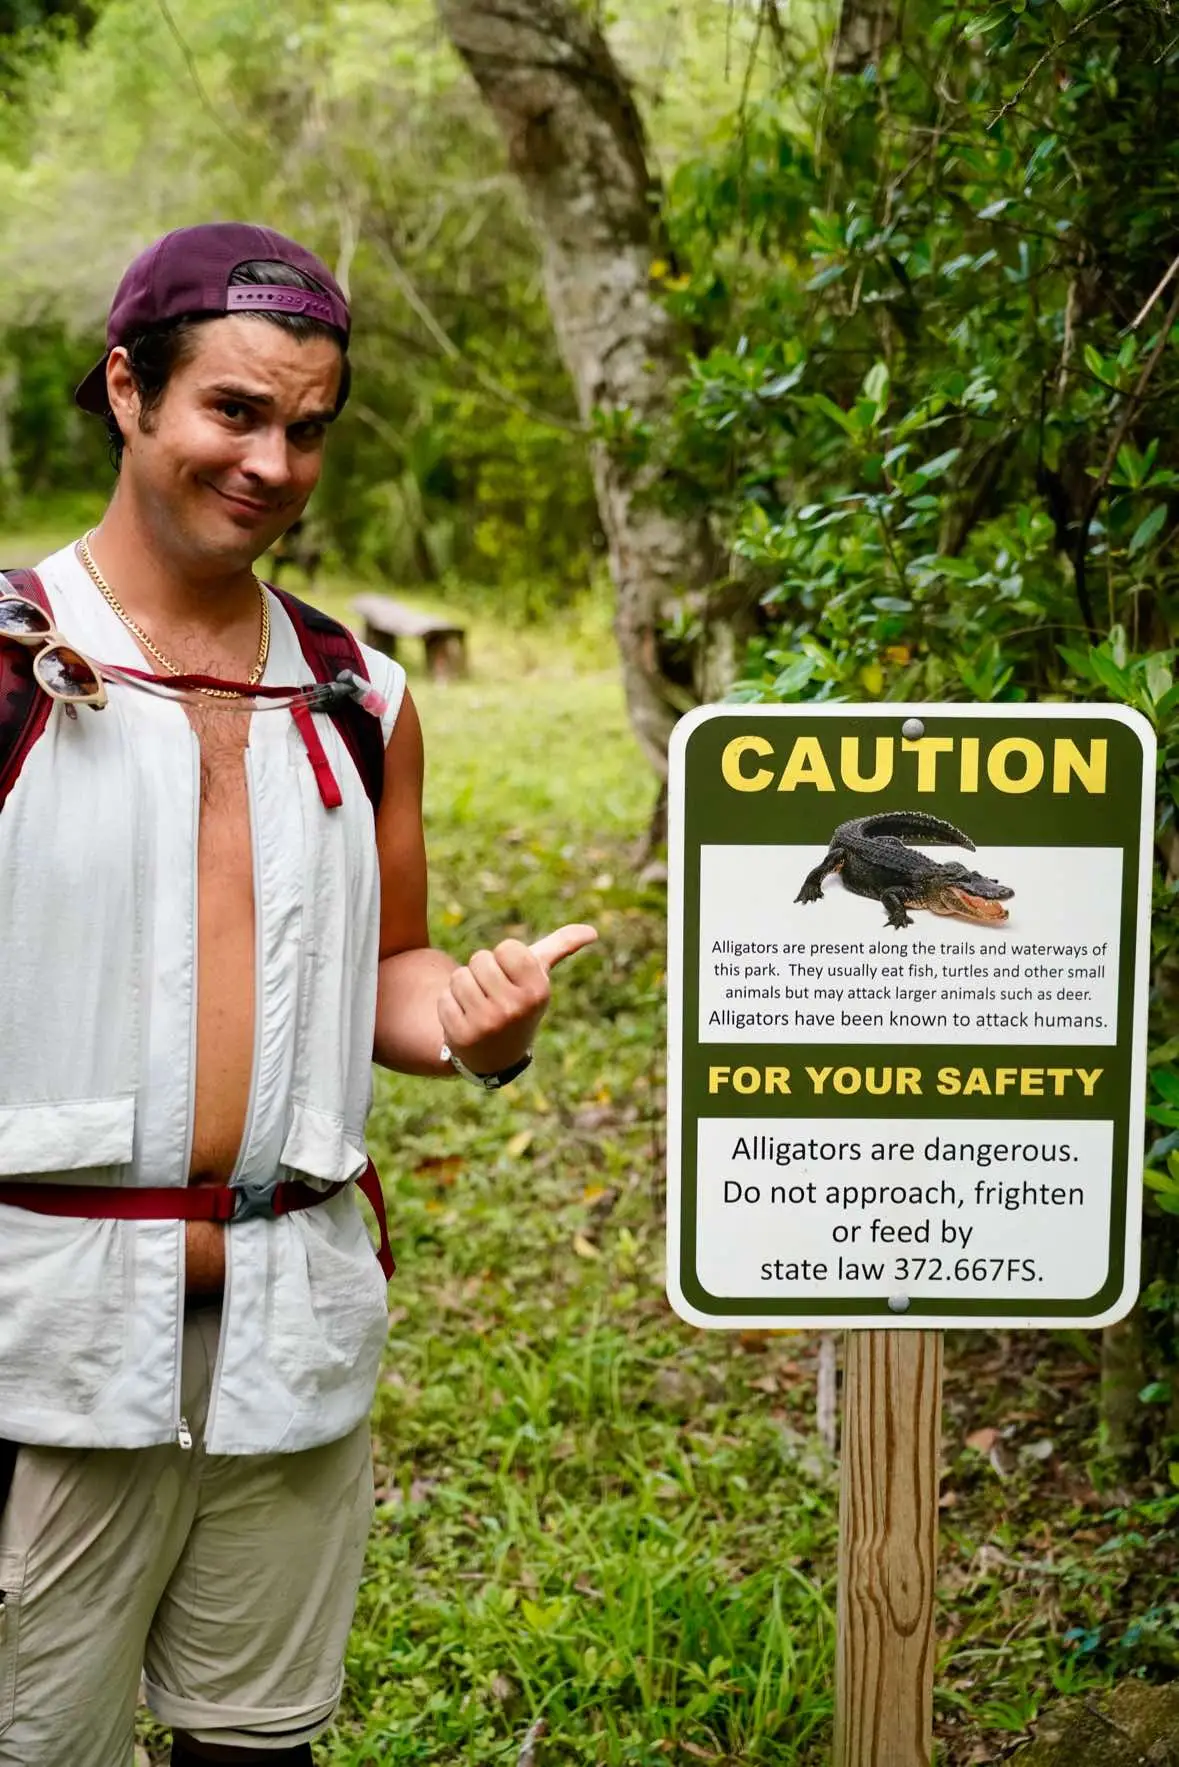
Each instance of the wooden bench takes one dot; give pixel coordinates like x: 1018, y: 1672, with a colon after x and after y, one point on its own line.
x: 387, y: 620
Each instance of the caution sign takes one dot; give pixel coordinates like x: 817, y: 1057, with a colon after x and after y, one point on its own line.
x: 907, y: 990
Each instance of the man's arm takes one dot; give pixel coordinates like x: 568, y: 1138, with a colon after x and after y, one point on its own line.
x: 411, y: 975
x: 487, y: 1009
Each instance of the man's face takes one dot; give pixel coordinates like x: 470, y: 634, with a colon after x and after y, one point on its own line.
x: 233, y: 450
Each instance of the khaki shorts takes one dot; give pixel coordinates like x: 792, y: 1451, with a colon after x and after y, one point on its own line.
x: 227, y: 1582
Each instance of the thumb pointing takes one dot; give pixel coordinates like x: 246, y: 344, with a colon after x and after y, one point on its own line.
x: 554, y: 947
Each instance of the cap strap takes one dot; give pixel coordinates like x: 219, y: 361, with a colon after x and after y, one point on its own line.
x: 269, y: 297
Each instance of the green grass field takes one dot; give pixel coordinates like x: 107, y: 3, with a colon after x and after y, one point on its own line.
x: 589, y: 1514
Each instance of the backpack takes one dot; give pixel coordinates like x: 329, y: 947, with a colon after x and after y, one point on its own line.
x: 327, y: 646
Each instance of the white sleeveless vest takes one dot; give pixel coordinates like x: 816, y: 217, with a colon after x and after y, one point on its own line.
x: 98, y: 880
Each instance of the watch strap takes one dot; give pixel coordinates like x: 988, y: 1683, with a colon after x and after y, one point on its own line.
x: 486, y: 1082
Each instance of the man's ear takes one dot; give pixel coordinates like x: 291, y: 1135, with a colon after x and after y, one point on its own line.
x: 122, y: 392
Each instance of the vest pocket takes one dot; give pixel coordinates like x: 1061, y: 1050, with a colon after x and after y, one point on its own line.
x: 327, y: 1301
x: 65, y: 1281
x: 69, y: 1135
x: 318, y: 1146
x: 12, y: 1573
x: 65, y: 1294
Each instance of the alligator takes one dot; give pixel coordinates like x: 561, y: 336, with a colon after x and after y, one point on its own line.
x: 874, y: 856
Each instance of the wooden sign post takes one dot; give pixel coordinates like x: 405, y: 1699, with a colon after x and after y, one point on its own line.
x: 908, y: 955
x: 888, y: 1494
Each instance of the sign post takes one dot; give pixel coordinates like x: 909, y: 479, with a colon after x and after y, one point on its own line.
x: 907, y: 992
x: 887, y: 1549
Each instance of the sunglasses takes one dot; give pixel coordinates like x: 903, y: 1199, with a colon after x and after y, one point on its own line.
x: 59, y: 670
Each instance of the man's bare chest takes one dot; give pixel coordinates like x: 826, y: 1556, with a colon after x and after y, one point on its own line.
x: 224, y: 848
x: 223, y: 737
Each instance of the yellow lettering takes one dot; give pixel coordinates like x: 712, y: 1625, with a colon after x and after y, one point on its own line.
x: 976, y: 1081
x: 777, y: 1079
x: 731, y: 763
x: 1033, y: 757
x: 908, y: 1080
x: 1031, y: 1082
x: 849, y: 764
x: 818, y: 1077
x: 968, y: 780
x: 746, y: 1080
x: 717, y: 1077
x: 949, y: 1081
x: 1067, y: 760
x: 1089, y: 1078
x: 807, y: 766
x: 927, y: 749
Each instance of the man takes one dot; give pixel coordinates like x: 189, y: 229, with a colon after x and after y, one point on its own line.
x: 204, y: 949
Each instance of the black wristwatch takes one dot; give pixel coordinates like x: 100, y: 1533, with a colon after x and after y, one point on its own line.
x: 486, y: 1082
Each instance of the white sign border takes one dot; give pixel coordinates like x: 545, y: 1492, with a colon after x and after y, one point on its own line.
x: 945, y: 1319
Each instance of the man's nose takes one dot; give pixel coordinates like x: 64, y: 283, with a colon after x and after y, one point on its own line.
x: 268, y: 456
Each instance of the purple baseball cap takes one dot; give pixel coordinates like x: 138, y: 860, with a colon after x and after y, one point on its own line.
x: 188, y: 271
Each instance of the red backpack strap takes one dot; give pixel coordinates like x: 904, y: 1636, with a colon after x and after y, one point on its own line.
x: 24, y: 709
x: 329, y: 647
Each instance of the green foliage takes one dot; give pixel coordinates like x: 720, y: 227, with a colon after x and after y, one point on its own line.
x: 927, y: 292
x: 460, y: 458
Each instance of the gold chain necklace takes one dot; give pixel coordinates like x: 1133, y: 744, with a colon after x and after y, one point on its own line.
x: 256, y: 673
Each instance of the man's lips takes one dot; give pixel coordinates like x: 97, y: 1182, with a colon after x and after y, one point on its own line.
x: 247, y: 504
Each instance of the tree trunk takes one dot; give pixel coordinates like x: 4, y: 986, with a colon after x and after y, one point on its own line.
x: 866, y: 28
x: 576, y: 141
x: 9, y: 388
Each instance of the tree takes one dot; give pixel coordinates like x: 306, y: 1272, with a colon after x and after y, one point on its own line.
x: 576, y: 141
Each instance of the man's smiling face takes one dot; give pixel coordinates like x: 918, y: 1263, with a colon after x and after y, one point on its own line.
x: 233, y: 450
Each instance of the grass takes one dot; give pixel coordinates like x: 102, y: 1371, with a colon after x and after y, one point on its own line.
x: 590, y: 1514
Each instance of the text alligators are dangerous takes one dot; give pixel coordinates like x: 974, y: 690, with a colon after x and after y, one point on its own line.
x: 941, y: 1149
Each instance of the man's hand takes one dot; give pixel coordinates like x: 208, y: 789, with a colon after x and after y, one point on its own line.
x: 493, y: 1004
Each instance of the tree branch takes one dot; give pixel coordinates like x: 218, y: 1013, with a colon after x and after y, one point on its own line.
x: 198, y: 84
x: 1131, y: 410
x: 1111, y: 454
x: 1153, y: 297
x: 1081, y: 25
x: 570, y: 426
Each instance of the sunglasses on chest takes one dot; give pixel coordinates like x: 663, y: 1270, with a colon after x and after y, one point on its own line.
x: 59, y: 669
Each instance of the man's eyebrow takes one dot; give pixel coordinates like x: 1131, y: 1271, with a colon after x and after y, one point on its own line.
x: 247, y: 397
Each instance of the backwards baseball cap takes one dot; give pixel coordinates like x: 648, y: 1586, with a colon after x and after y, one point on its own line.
x: 187, y: 272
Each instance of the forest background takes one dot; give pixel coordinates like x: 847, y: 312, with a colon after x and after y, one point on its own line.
x: 831, y: 352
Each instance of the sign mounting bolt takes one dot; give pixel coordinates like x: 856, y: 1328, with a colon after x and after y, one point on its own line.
x: 912, y: 728
x: 898, y: 1303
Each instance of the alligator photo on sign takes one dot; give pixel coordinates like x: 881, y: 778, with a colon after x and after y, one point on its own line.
x: 878, y: 856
